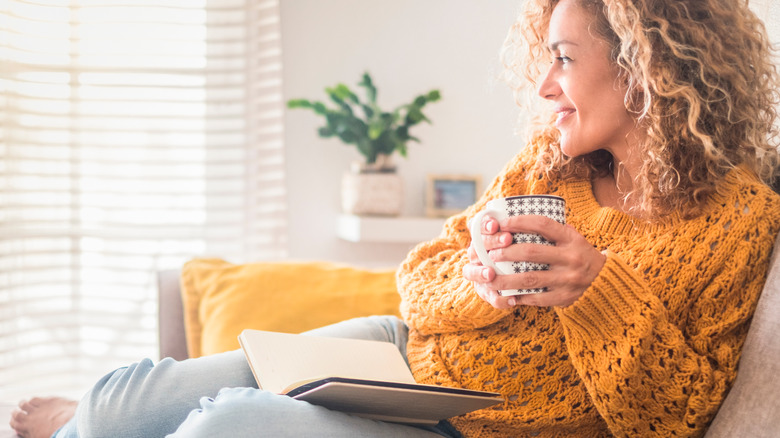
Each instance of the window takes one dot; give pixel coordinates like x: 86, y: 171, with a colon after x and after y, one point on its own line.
x: 133, y: 137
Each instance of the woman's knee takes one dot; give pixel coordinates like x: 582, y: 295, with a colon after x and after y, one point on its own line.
x: 104, y: 406
x: 240, y: 412
x: 145, y: 396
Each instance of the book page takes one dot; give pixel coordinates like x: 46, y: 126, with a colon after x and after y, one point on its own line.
x: 279, y: 359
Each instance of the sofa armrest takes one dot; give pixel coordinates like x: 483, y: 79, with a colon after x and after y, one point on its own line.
x: 172, y: 337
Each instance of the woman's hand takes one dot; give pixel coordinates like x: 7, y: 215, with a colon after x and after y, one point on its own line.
x: 574, y: 262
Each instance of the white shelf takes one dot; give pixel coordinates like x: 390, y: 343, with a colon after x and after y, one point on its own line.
x: 388, y: 229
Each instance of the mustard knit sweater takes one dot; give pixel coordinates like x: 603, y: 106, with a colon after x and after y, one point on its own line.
x: 650, y: 349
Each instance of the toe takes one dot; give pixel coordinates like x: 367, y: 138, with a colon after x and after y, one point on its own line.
x: 27, y: 404
x: 18, y: 413
x: 17, y: 419
x: 37, y: 401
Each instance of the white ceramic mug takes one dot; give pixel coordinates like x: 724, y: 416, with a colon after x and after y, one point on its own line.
x: 550, y: 206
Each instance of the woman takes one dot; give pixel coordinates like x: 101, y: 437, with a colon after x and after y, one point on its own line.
x: 659, y: 146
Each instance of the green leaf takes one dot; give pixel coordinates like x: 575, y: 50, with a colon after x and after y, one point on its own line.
x: 402, y: 133
x: 320, y: 108
x: 366, y: 148
x: 385, y: 144
x: 414, y: 116
x: 338, y: 95
x: 333, y: 94
x: 298, y: 103
x: 343, y: 93
x: 389, y: 118
x: 317, y: 107
x: 402, y: 149
x: 375, y: 130
x: 368, y: 84
x: 348, y: 137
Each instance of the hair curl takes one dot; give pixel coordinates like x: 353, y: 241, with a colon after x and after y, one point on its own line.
x: 701, y: 80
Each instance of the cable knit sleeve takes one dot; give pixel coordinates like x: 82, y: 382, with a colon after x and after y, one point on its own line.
x: 654, y: 372
x: 435, y: 296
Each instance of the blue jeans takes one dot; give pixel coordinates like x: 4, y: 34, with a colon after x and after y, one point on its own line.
x: 217, y: 395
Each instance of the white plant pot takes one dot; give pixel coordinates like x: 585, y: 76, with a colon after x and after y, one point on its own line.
x: 372, y: 193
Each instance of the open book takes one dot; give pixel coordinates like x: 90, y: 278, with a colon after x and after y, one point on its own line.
x: 365, y: 378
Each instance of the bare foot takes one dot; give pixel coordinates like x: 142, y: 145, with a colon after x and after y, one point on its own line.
x: 41, y: 417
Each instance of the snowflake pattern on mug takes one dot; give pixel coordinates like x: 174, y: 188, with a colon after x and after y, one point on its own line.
x: 552, y: 207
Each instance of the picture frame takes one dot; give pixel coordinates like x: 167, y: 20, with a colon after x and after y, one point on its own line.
x: 447, y: 195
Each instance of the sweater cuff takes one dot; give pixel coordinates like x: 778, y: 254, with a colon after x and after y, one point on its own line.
x: 612, y: 303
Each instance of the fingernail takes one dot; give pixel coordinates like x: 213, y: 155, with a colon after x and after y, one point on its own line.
x: 511, y: 301
x: 486, y: 274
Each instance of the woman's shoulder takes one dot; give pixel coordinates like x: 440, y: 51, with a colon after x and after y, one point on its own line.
x: 743, y: 185
x: 744, y: 197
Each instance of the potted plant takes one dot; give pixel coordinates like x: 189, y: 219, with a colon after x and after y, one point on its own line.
x: 372, y: 186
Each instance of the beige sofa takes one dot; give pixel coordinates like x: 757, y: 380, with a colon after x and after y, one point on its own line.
x: 752, y: 408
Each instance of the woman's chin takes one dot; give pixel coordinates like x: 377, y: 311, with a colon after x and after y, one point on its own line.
x: 567, y: 148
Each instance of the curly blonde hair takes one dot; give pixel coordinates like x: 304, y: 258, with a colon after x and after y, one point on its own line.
x: 701, y: 80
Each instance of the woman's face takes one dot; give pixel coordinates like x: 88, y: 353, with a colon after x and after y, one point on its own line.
x: 582, y: 83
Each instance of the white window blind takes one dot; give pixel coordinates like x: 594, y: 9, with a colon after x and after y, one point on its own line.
x: 134, y: 135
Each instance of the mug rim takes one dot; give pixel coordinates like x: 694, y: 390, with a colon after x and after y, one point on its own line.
x: 533, y: 196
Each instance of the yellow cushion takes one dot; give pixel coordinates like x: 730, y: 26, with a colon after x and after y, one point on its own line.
x: 221, y: 299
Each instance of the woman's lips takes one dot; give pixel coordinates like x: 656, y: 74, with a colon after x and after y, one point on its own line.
x: 562, y: 114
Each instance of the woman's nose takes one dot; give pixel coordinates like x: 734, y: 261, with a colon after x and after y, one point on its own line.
x: 549, y: 87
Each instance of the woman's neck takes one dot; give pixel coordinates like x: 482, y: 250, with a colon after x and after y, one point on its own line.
x: 616, y: 188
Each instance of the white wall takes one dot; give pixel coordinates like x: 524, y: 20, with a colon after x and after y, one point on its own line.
x: 409, y: 47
